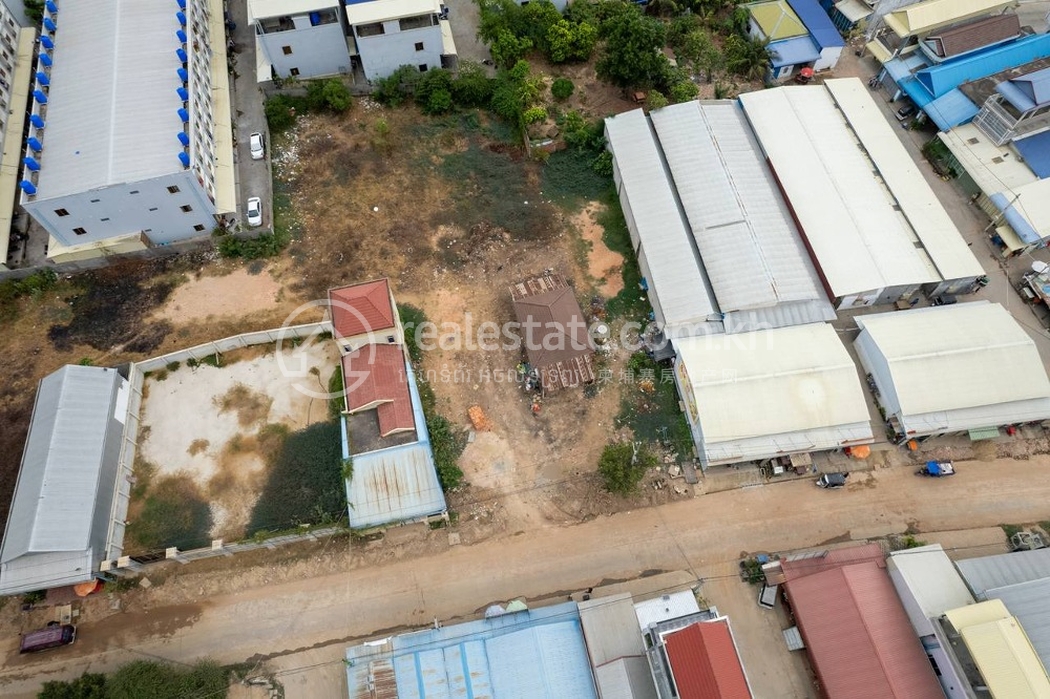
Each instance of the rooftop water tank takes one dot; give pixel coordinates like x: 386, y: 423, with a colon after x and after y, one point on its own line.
x: 183, y: 114
x: 37, y: 121
x: 51, y: 6
x: 35, y: 144
x: 181, y: 53
x: 45, y: 59
x: 47, y: 42
x: 41, y: 77
x: 183, y: 138
x: 27, y: 187
x: 31, y: 163
x: 184, y: 94
x: 184, y: 158
x: 184, y: 75
x: 181, y: 35
x: 181, y: 16
x: 39, y: 96
x: 49, y: 24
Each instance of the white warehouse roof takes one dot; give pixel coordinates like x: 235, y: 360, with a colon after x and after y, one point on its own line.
x: 990, y: 572
x: 932, y: 583
x: 926, y: 215
x: 112, y: 110
x: 772, y: 392
x: 861, y: 242
x: 678, y: 286
x: 954, y: 368
x: 58, y: 525
x: 752, y: 253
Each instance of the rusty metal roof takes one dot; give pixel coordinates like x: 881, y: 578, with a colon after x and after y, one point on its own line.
x: 554, y: 331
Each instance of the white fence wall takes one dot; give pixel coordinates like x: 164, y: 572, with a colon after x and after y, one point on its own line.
x: 260, y: 337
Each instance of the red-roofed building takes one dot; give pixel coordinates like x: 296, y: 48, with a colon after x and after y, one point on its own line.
x: 855, y: 630
x: 704, y: 662
x: 364, y: 314
x: 375, y: 377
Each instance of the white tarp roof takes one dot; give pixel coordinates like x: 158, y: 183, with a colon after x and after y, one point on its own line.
x: 959, y: 367
x: 940, y: 237
x: 773, y: 392
x: 753, y: 255
x: 846, y: 213
x: 112, y: 109
x: 675, y: 275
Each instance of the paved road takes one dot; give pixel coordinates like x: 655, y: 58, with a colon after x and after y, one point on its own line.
x: 704, y: 536
x: 253, y: 176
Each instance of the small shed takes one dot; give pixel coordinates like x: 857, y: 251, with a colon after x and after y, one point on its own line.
x: 554, y: 331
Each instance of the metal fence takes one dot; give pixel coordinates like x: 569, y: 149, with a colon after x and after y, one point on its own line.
x: 261, y: 337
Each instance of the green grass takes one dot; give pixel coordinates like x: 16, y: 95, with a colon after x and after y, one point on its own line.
x: 569, y: 179
x: 631, y: 303
x: 653, y: 415
x: 175, y: 514
x: 336, y: 403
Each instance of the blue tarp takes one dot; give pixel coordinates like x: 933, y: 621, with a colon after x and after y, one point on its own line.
x: 1016, y: 219
x: 1036, y: 153
x: 944, y: 77
x: 818, y: 23
x: 798, y: 50
x: 951, y: 110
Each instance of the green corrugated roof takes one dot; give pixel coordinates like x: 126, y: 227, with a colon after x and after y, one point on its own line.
x: 777, y: 20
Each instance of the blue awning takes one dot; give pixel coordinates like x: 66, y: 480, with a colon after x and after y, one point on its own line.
x: 798, y: 50
x: 1036, y: 153
x: 951, y: 110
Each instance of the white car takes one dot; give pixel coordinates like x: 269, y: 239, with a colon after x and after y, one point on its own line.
x: 254, y: 212
x: 255, y: 144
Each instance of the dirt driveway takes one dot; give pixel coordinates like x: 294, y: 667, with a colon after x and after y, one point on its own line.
x: 336, y: 596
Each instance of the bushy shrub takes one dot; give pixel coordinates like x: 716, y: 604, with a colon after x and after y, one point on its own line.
x: 263, y: 245
x: 281, y: 110
x: 622, y: 466
x: 683, y: 91
x: 397, y: 87
x: 471, y: 86
x: 562, y: 88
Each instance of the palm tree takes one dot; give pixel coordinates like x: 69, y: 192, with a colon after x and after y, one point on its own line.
x: 748, y: 58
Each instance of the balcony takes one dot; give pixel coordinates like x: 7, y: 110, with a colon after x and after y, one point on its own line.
x: 1001, y: 126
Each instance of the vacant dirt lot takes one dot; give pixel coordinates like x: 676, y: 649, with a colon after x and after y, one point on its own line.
x: 213, y: 425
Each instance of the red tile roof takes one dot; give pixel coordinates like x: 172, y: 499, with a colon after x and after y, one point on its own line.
x: 704, y: 662
x: 856, y: 632
x: 361, y: 308
x: 376, y: 374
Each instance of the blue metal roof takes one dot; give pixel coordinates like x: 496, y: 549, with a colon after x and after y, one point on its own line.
x: 534, y: 654
x: 951, y: 110
x: 793, y: 52
x: 397, y: 483
x: 944, y: 77
x: 903, y: 67
x: 1036, y: 153
x: 1027, y: 91
x: 818, y: 23
x: 1016, y: 218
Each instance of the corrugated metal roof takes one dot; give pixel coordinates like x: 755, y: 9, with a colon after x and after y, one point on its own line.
x: 57, y: 524
x: 277, y: 8
x: 817, y: 22
x: 669, y: 606
x: 704, y: 662
x: 972, y: 35
x: 933, y: 14
x: 926, y: 215
x: 946, y: 360
x: 930, y: 578
x: 950, y: 110
x: 675, y: 275
x: 845, y: 212
x: 555, y: 334
x: 1002, y: 652
x: 938, y: 80
x: 1035, y: 150
x: 537, y: 654
x: 990, y: 572
x: 985, y: 162
x: 395, y: 484
x: 749, y: 247
x: 858, y: 637
x: 626, y: 678
x: 112, y: 106
x: 776, y: 19
x: 795, y: 51
x: 610, y: 628
x: 1027, y: 602
x: 774, y: 392
x: 1027, y: 91
x: 385, y: 10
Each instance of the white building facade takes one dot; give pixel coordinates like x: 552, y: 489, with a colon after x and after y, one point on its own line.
x: 130, y: 134
x: 16, y: 65
x: 389, y: 34
x: 300, y: 38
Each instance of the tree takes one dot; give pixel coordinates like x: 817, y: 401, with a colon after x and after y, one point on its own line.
x: 683, y: 91
x: 562, y: 88
x: 439, y: 102
x: 570, y: 42
x: 34, y: 10
x: 337, y: 97
x: 279, y: 114
x: 633, y: 55
x: 622, y: 466
x: 472, y: 87
x: 508, y: 49
x: 700, y: 51
x: 537, y: 19
x: 87, y: 686
x: 746, y: 57
x: 429, y: 83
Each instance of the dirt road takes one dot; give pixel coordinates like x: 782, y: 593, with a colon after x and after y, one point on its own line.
x: 704, y: 536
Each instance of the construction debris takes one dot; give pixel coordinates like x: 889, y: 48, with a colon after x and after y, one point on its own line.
x: 479, y: 419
